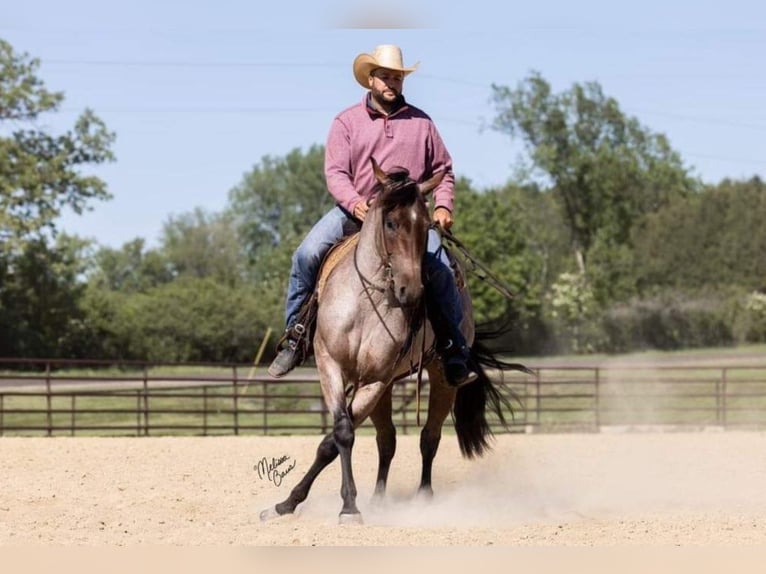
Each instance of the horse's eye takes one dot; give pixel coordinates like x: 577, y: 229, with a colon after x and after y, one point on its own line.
x: 391, y: 225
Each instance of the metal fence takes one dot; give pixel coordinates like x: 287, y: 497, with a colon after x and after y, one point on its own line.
x: 59, y: 398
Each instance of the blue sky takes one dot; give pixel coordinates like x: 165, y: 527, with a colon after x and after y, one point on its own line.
x: 198, y: 92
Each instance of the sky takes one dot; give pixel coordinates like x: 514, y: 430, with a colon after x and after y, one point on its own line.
x: 198, y: 93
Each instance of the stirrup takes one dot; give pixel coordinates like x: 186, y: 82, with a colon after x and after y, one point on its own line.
x: 286, y: 360
x: 292, y: 351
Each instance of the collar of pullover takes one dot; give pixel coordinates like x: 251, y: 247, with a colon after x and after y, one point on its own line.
x: 373, y: 111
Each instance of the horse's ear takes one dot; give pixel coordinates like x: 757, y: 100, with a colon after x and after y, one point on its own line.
x: 380, y: 175
x: 429, y: 185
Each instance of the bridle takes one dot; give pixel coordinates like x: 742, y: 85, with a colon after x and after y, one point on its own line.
x: 388, y: 273
x: 388, y: 268
x: 385, y: 254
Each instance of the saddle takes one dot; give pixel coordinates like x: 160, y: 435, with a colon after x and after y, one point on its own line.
x: 307, y: 314
x: 334, y: 256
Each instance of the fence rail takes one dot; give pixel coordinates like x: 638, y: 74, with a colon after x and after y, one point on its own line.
x: 55, y: 398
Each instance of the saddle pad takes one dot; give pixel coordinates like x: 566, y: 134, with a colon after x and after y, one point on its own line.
x: 334, y: 256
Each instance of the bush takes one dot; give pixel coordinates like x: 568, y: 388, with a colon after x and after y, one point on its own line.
x: 752, y: 320
x: 668, y: 322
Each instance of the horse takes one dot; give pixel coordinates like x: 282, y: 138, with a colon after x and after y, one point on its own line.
x: 369, y: 319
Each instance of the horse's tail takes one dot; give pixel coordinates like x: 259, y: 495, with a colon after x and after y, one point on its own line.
x: 476, y: 400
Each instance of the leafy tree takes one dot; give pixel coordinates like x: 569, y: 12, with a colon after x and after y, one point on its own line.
x: 604, y: 167
x: 274, y: 207
x: 40, y: 291
x: 201, y: 244
x: 279, y: 200
x: 496, y: 228
x: 130, y: 269
x: 40, y: 173
x: 488, y: 225
x: 712, y: 239
x: 190, y: 319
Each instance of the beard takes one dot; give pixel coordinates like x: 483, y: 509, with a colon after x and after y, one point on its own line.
x: 387, y: 99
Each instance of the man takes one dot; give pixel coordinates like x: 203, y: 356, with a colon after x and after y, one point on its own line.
x: 395, y: 133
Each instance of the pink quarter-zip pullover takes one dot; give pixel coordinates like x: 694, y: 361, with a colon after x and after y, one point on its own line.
x: 407, y: 138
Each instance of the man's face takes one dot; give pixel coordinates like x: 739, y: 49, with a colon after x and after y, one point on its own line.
x: 386, y: 85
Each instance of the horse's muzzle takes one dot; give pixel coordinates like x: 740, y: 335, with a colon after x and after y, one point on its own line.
x: 407, y: 295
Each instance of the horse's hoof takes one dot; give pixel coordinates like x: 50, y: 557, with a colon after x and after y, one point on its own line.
x: 425, y: 493
x: 378, y: 500
x: 270, y: 514
x: 350, y: 519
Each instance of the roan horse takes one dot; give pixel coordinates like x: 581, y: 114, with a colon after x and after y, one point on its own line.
x: 369, y: 321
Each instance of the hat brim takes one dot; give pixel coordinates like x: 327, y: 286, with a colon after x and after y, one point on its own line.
x: 364, y: 64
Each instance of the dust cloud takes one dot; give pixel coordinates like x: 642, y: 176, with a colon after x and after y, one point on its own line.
x: 546, y: 479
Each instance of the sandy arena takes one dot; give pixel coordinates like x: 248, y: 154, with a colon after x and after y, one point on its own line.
x: 603, y: 490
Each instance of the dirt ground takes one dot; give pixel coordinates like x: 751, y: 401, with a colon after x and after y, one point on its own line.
x: 594, y: 490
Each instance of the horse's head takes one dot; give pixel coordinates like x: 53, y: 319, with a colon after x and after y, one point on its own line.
x: 403, y: 229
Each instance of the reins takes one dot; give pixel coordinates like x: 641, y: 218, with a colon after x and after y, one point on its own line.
x: 479, y: 269
x: 369, y: 285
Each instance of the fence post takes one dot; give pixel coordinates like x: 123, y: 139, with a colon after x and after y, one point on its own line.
x: 146, y: 401
x: 235, y: 388
x: 2, y: 415
x: 404, y: 406
x: 48, y: 415
x: 265, y: 393
x: 538, y: 408
x: 72, y: 413
x: 598, y: 398
x: 724, y: 403
x: 204, y: 410
x: 138, y: 412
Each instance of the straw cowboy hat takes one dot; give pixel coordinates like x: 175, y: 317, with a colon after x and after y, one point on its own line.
x: 384, y: 56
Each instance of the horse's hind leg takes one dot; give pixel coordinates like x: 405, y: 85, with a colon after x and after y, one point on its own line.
x: 326, y: 453
x: 440, y: 400
x: 385, y: 436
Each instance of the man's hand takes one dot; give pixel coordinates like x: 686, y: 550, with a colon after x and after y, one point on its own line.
x: 443, y: 217
x: 360, y: 210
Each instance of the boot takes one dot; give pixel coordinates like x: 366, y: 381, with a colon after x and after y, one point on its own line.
x: 291, y: 354
x: 452, y: 348
x: 457, y: 364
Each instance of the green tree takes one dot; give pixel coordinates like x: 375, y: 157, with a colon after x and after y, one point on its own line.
x: 605, y: 168
x: 201, y: 244
x: 499, y: 231
x: 40, y: 291
x: 274, y: 207
x: 502, y: 250
x: 40, y: 173
x: 129, y: 269
x: 279, y: 201
x: 189, y: 319
x: 713, y: 239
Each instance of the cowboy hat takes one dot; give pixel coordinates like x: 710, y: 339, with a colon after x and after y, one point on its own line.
x: 384, y: 56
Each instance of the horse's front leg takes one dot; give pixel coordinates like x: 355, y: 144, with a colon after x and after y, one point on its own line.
x: 343, y: 435
x: 326, y: 453
x: 333, y: 384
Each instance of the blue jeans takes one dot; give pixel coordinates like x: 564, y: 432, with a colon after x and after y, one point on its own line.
x: 440, y: 285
